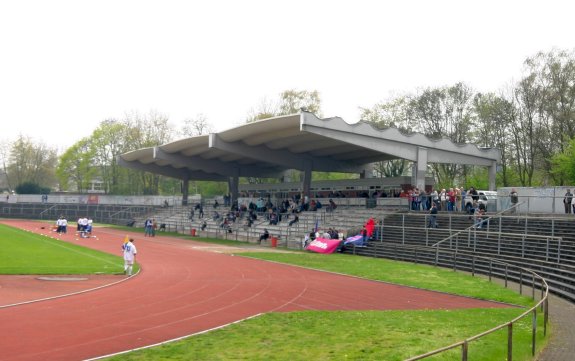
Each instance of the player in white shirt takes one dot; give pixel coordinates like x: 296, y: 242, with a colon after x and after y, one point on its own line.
x: 129, y: 256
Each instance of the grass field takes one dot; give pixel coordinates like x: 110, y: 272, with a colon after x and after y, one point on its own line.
x: 23, y: 252
x: 357, y: 335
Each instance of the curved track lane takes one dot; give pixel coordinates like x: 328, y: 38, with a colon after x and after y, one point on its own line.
x: 183, y: 290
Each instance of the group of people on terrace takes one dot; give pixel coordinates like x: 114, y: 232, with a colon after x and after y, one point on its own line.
x: 451, y: 200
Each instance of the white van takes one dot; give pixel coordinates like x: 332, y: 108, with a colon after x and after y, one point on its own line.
x: 488, y: 198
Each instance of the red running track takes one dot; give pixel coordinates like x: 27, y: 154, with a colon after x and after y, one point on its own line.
x: 183, y: 290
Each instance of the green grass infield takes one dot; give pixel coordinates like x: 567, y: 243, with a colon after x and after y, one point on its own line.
x: 24, y: 252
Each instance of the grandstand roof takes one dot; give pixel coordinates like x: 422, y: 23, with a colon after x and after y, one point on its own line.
x: 266, y: 148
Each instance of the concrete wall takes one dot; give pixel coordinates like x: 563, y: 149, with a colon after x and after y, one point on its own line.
x: 535, y: 200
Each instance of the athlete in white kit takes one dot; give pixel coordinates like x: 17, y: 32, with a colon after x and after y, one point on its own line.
x: 129, y: 256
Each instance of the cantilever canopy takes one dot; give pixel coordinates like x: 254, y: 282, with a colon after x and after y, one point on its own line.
x: 301, y: 141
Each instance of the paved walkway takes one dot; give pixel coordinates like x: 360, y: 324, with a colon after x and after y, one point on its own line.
x: 562, y: 344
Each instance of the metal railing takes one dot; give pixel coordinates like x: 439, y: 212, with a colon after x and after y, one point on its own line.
x: 490, y: 267
x: 543, y: 304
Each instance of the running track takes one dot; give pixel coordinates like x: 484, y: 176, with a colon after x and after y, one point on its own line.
x: 182, y: 290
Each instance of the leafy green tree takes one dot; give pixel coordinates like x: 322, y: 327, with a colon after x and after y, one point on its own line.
x: 564, y: 164
x: 106, y: 143
x: 75, y: 170
x: 95, y: 157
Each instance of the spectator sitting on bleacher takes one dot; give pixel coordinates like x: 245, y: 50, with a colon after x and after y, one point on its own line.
x: 204, y: 225
x: 273, y: 218
x: 216, y: 216
x: 224, y: 223
x: 313, y: 205
x: 480, y: 218
x: 332, y: 206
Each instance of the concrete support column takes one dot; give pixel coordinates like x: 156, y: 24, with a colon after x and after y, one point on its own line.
x: 367, y: 172
x: 185, y: 193
x: 492, y: 175
x: 233, y: 186
x: 419, y: 169
x: 306, y: 182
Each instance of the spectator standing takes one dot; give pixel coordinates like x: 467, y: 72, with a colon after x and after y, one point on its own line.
x: 424, y: 200
x: 443, y: 200
x: 514, y: 198
x: 364, y: 236
x: 567, y: 201
x: 451, y: 200
x: 434, y: 197
x: 148, y: 224
x: 433, y: 216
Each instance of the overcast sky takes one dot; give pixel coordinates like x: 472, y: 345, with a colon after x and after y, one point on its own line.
x: 65, y: 66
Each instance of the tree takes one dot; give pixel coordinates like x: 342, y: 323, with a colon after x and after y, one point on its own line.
x: 75, y: 170
x: 31, y: 188
x: 5, y: 155
x: 150, y: 130
x: 525, y: 128
x: 196, y: 126
x: 564, y: 163
x: 553, y: 75
x: 445, y: 113
x: 392, y: 113
x: 32, y: 163
x: 290, y: 102
x: 107, y: 142
x: 494, y: 120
